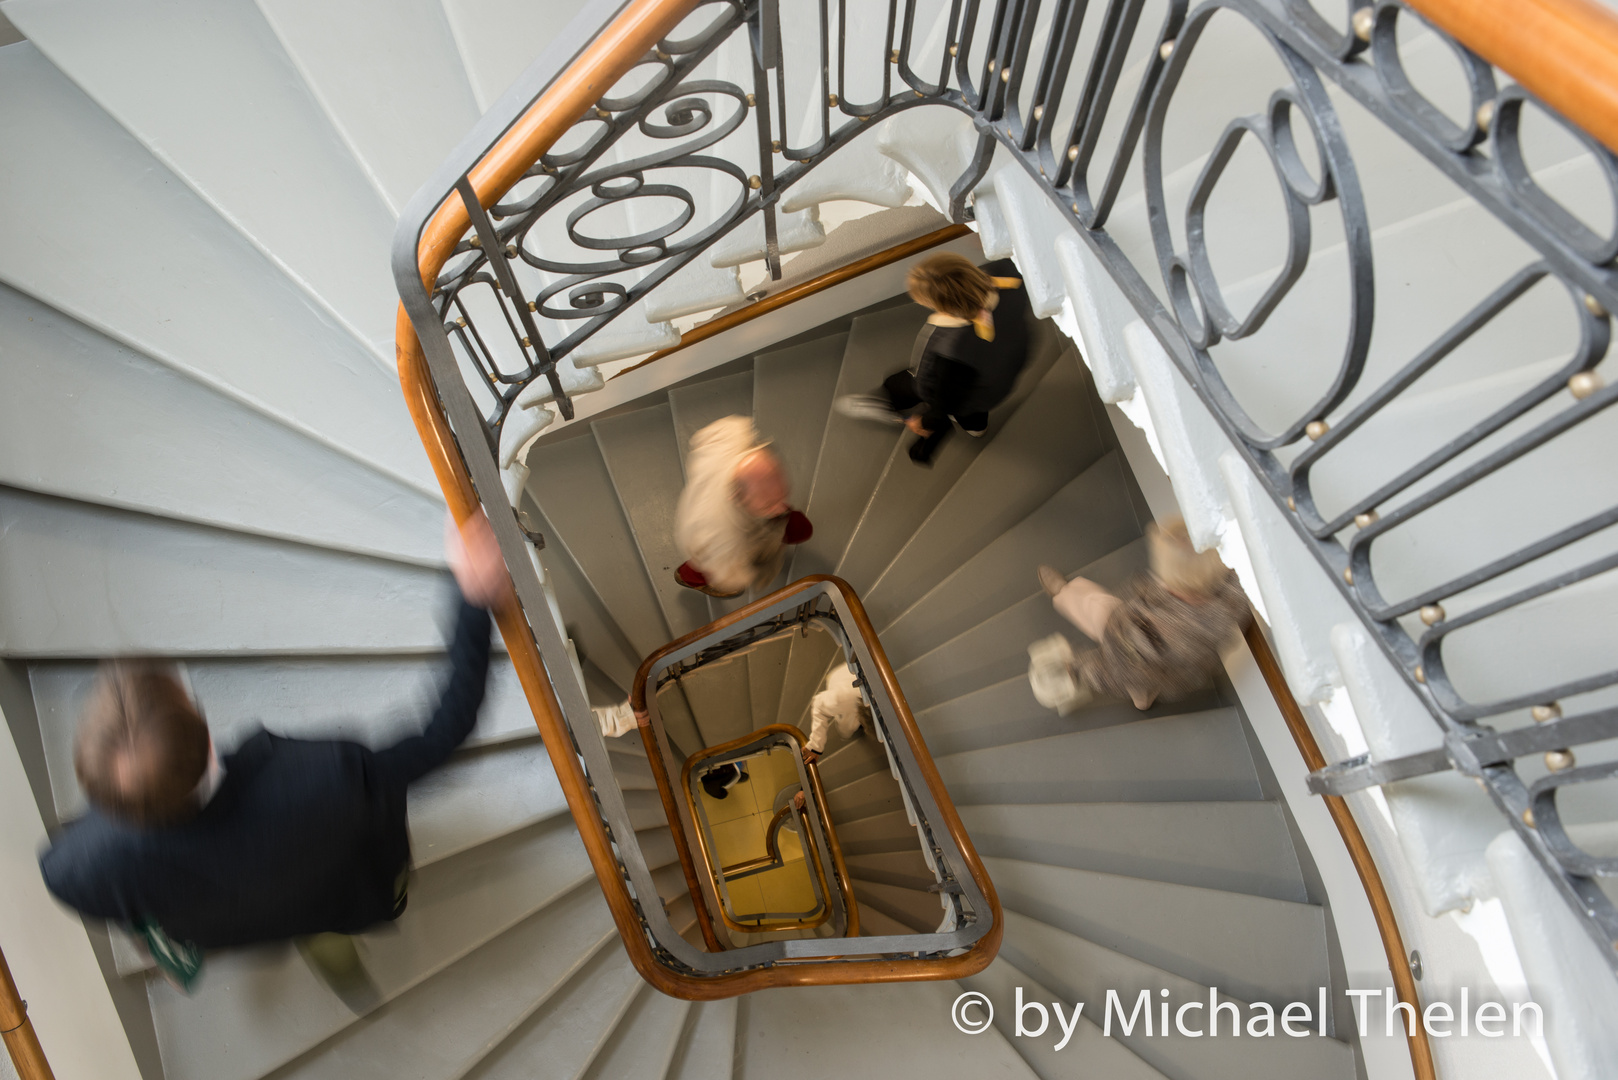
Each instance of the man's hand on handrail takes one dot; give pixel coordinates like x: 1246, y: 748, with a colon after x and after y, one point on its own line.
x: 474, y: 558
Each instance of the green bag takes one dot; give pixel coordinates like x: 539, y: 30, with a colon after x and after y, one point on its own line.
x: 181, y: 961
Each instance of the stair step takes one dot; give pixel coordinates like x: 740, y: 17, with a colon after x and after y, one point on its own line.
x: 1051, y: 438
x: 854, y: 452
x: 449, y: 1022
x: 1088, y: 1055
x: 875, y: 924
x: 223, y: 1032
x: 283, y: 358
x: 721, y: 700
x: 645, y: 809
x: 1255, y: 948
x: 852, y: 760
x: 905, y: 869
x: 884, y: 832
x: 699, y: 404
x: 792, y: 396
x: 708, y: 1051
x: 1241, y: 847
x: 1003, y: 572
x: 474, y: 798
x: 996, y: 648
x: 1197, y: 757
x: 869, y: 796
x: 920, y: 911
x: 678, y: 723
x: 1075, y: 969
x: 645, y: 1040
x: 596, y: 636
x: 642, y: 458
x: 122, y: 582
x: 907, y: 494
x: 390, y: 78
x: 811, y: 1032
x: 570, y: 482
x: 812, y: 656
x: 572, y: 1026
x: 766, y: 675
x: 320, y: 218
x: 85, y: 417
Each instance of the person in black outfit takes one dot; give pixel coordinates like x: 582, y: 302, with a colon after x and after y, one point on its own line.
x: 283, y: 838
x: 966, y: 358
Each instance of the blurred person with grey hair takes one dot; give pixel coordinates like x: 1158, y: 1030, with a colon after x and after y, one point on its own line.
x: 1161, y: 638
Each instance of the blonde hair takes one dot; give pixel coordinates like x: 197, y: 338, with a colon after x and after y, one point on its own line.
x: 949, y: 283
x: 1174, y: 562
x: 141, y: 747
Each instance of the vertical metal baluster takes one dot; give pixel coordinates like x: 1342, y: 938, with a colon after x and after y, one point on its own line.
x: 767, y: 53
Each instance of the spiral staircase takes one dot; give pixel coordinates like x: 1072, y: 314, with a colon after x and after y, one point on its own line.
x: 204, y: 456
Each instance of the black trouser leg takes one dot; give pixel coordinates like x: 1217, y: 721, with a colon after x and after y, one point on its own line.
x: 922, y: 450
x: 977, y: 421
x: 902, y: 392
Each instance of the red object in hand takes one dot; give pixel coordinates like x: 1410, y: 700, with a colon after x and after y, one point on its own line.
x: 690, y: 576
x: 798, y: 527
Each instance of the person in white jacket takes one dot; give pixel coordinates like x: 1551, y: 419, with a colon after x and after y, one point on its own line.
x: 839, y: 707
x: 733, y: 518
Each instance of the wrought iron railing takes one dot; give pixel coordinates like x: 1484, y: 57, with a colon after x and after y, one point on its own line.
x: 697, y: 108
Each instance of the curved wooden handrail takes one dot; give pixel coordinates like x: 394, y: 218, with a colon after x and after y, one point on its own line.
x: 1565, y: 52
x: 804, y: 289
x: 27, y: 1056
x: 1421, y: 1051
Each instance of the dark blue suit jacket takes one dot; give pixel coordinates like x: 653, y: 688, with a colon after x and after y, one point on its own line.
x: 302, y: 836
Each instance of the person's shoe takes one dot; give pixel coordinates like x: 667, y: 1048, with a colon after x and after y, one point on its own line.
x: 867, y: 407
x: 1051, y: 580
x: 799, y: 529
x: 978, y: 434
x: 689, y: 576
x: 336, y: 960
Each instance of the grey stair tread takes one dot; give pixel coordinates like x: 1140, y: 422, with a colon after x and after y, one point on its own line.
x: 721, y: 701
x: 875, y: 924
x: 996, y: 648
x: 873, y: 794
x: 1252, y: 947
x: 766, y: 675
x: 456, y: 905
x: 920, y: 911
x: 643, y: 459
x: 373, y: 700
x: 657, y: 847
x: 854, y: 452
x: 571, y: 1028
x: 123, y: 582
x: 1199, y: 757
x: 1088, y: 1054
x: 812, y: 1032
x: 1074, y: 969
x: 1088, y: 518
x: 1240, y: 847
x: 644, y: 1042
x: 906, y: 869
x: 596, y: 635
x: 73, y: 405
x: 792, y: 396
x: 474, y: 798
x: 883, y: 832
x: 695, y: 406
x: 631, y: 771
x: 708, y: 1051
x: 907, y: 494
x: 1006, y: 712
x: 678, y: 723
x: 811, y: 658
x: 284, y: 358
x: 845, y: 763
x: 1050, y: 439
x: 645, y: 809
x: 570, y: 482
x: 448, y: 1022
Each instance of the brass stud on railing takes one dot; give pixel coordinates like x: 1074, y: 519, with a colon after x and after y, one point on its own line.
x: 750, y: 102
x: 954, y: 49
x: 476, y: 241
x: 1485, y: 115
x: 1594, y: 306
x: 659, y: 53
x: 1292, y: 504
x: 603, y: 113
x: 1367, y: 519
x: 993, y: 63
x: 1421, y: 674
x: 527, y: 344
x: 1583, y: 384
x: 461, y: 323
x: 1544, y: 714
x: 1075, y: 208
x: 511, y: 251
x: 775, y: 145
x: 918, y: 94
x: 1316, y: 428
x: 1348, y: 575
x: 1528, y: 818
x: 533, y: 305
x: 1039, y: 112
x: 831, y: 100
x: 1559, y: 760
x: 1364, y: 21
x: 1073, y: 152
x: 1005, y: 74
x: 1165, y: 50
x: 754, y: 182
x: 893, y: 57
x: 1432, y: 614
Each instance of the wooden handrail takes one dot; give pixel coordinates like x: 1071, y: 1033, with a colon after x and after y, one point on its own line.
x: 1564, y: 52
x: 27, y: 1056
x: 731, y: 320
x: 1421, y: 1052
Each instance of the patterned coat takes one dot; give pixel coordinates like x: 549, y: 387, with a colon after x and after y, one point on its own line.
x: 1157, y: 644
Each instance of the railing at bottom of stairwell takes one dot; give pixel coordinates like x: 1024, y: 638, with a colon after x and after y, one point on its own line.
x: 27, y: 1056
